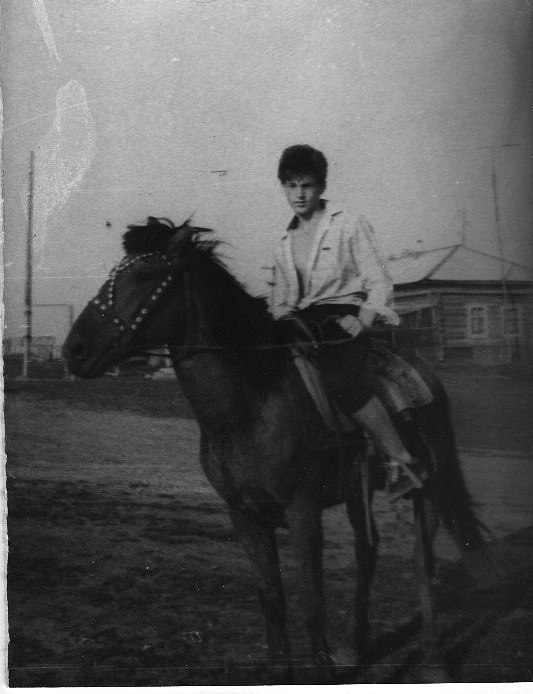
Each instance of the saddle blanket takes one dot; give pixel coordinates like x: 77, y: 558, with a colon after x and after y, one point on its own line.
x: 398, y: 385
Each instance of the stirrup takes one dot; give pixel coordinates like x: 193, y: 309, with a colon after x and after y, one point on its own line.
x: 402, y: 479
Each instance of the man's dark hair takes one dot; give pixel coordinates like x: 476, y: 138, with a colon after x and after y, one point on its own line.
x: 303, y: 160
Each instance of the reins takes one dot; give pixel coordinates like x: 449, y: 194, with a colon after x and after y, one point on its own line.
x: 251, y: 348
x: 107, y: 307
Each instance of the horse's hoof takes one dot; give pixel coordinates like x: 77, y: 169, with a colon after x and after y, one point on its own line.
x: 348, y: 664
x: 430, y: 674
x: 279, y: 674
x: 345, y: 657
x: 325, y: 660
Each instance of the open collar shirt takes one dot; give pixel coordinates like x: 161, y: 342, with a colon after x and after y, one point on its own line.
x: 344, y: 267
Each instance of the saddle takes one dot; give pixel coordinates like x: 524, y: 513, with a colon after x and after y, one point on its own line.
x: 396, y: 383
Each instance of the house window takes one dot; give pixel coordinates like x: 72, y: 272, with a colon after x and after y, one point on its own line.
x: 477, y: 321
x: 511, y: 320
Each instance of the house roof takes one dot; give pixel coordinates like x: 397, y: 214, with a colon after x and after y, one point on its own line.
x: 456, y: 263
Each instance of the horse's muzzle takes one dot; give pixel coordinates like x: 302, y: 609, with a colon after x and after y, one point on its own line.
x: 87, y: 359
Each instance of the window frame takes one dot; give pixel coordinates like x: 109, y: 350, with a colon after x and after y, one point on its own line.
x: 519, y: 315
x: 470, y: 308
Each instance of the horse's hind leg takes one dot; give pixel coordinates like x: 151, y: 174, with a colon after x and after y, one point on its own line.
x: 366, y: 548
x: 426, y: 522
x: 259, y: 542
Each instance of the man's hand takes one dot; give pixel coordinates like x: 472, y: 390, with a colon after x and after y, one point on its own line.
x: 366, y: 316
x: 351, y: 324
x: 300, y: 334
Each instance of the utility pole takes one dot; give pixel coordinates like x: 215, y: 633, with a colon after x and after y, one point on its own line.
x: 29, y: 271
x: 506, y: 305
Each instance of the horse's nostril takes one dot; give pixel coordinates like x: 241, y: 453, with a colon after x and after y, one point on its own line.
x: 78, y: 351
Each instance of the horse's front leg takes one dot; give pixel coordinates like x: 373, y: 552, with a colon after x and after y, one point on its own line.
x: 305, y: 527
x: 259, y: 542
x: 359, y: 508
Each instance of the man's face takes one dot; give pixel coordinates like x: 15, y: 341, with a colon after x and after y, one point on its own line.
x: 303, y: 195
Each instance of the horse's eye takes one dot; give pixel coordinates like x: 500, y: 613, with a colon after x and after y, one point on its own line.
x: 142, y: 276
x: 149, y: 275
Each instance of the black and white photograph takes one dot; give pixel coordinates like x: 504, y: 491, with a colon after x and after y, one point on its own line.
x: 267, y: 342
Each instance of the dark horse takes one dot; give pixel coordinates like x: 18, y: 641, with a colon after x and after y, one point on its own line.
x: 259, y: 444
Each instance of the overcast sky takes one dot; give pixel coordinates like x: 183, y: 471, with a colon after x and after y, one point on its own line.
x: 134, y: 106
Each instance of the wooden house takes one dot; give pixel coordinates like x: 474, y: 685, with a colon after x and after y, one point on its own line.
x: 460, y: 303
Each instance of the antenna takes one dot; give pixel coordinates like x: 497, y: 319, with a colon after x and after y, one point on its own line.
x: 464, y: 226
x: 498, y: 222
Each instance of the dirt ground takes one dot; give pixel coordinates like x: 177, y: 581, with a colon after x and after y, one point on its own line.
x: 124, y: 570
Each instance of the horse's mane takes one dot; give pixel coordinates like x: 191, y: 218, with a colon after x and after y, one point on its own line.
x: 237, y: 320
x: 152, y: 237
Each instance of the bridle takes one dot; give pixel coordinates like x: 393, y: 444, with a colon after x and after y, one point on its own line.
x: 108, y: 308
x: 180, y: 352
x: 127, y: 328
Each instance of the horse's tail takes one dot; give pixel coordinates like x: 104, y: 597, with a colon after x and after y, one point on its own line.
x: 447, y: 488
x: 450, y: 493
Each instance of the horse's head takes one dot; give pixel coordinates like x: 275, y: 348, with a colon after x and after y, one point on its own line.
x: 142, y: 304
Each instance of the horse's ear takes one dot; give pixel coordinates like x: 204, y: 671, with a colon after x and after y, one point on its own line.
x: 181, y: 243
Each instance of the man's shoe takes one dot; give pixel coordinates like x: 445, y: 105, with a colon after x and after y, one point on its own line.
x: 402, y: 478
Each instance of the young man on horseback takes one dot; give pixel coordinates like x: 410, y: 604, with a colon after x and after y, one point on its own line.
x: 328, y: 273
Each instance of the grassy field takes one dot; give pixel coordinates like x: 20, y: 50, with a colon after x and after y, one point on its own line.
x: 124, y: 569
